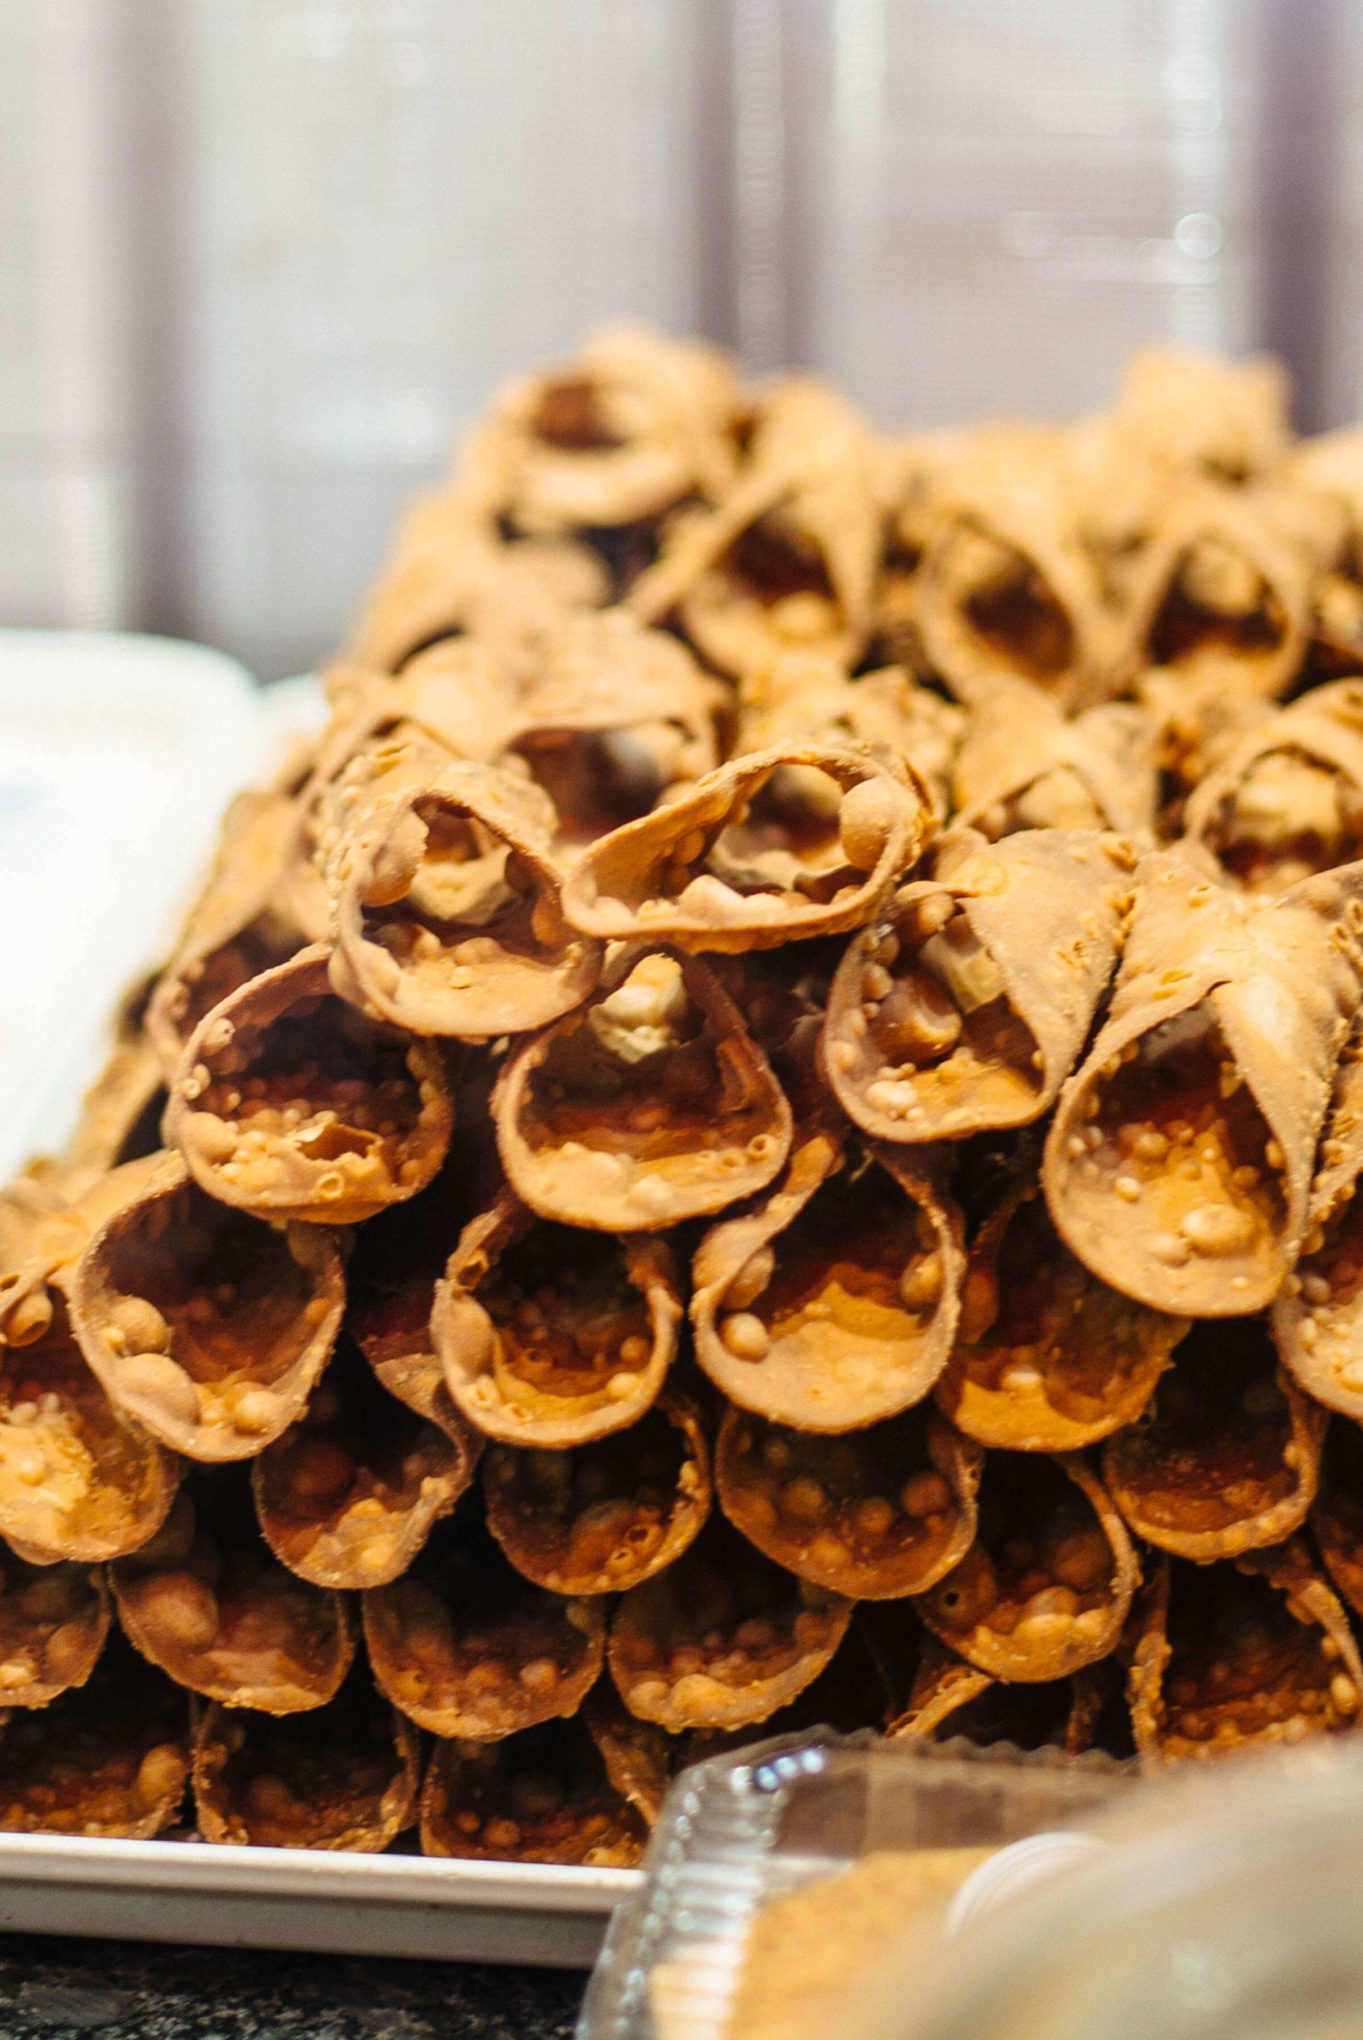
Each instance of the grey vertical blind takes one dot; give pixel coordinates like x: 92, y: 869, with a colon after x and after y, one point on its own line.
x: 260, y: 259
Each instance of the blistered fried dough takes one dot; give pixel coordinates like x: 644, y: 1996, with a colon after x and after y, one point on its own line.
x: 1253, y: 1650
x: 964, y: 1004
x: 639, y: 1757
x: 789, y: 556
x: 633, y: 423
x: 450, y: 575
x: 872, y: 1514
x: 205, y: 1326
x: 109, y: 1758
x: 460, y: 696
x: 809, y: 695
x: 348, y: 1496
x: 551, y: 1337
x: 1224, y: 419
x: 209, y: 1603
x: 1221, y: 589
x: 543, y: 1796
x: 779, y: 844
x: 650, y: 1105
x: 1047, y: 1584
x: 53, y: 1622
x: 614, y: 718
x: 722, y: 1638
x: 235, y: 929
x: 42, y: 1237
x: 345, y: 1777
x: 1318, y: 1313
x: 853, y: 1692
x: 951, y: 1698
x: 448, y: 914
x: 1228, y: 1456
x: 833, y: 1303
x: 76, y: 1481
x: 1178, y: 1165
x: 1006, y: 590
x: 602, y: 1517
x: 1287, y: 800
x: 466, y: 1646
x: 1024, y: 765
x: 1337, y: 1515
x: 120, y: 1114
x: 1048, y: 1358
x: 291, y: 1104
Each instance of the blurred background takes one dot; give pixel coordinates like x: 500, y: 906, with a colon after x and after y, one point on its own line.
x: 262, y: 259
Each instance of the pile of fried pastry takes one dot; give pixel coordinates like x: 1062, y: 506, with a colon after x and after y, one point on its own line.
x: 763, y: 1130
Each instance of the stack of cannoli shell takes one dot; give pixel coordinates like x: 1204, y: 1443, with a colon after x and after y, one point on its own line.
x: 766, y: 1128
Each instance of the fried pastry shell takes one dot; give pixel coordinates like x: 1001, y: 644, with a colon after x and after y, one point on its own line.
x: 120, y: 1114
x: 465, y: 1646
x: 542, y: 1795
x: 873, y: 1514
x: 1023, y: 764
x: 1337, y: 1514
x: 348, y: 1496
x: 640, y: 1758
x: 853, y: 1692
x: 1048, y: 1358
x: 345, y: 1777
x: 54, y: 1620
x: 48, y: 1214
x: 1047, y: 1584
x: 809, y: 696
x: 108, y: 1758
x: 1006, y: 590
x: 1178, y: 1165
x: 650, y: 1105
x: 722, y: 1638
x: 1250, y: 1650
x: 1224, y: 419
x: 291, y: 1104
x: 1227, y: 1456
x: 208, y: 1602
x: 76, y: 1480
x: 203, y: 1325
x: 448, y: 914
x: 1317, y: 1315
x: 1287, y: 800
x: 550, y: 1337
x: 602, y: 1517
x: 952, y: 1699
x: 834, y: 1302
x: 965, y: 1003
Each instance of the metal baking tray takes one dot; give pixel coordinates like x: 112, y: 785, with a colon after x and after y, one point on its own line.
x: 545, y: 1914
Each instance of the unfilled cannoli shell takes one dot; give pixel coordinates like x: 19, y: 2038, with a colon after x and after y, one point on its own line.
x: 750, y: 858
x: 1287, y: 800
x: 650, y: 1105
x: 209, y: 1603
x: 1023, y: 764
x: 854, y: 1691
x: 1251, y: 1650
x: 1337, y: 1515
x: 1222, y: 588
x: 1202, y: 413
x: 1178, y: 1165
x: 952, y: 1699
x: 53, y: 1623
x: 1047, y: 1584
x: 450, y: 576
x: 1048, y: 1359
x: 48, y: 1214
x: 615, y: 717
x: 1317, y: 1316
x: 108, y: 1758
x: 120, y: 1114
x: 448, y: 914
x: 603, y: 1517
x: 834, y: 1302
x: 1006, y: 590
x: 348, y: 1496
x: 291, y: 1104
x: 722, y: 1638
x: 634, y: 422
x: 76, y: 1480
x: 789, y: 556
x: 551, y: 1337
x: 345, y: 1777
x: 809, y: 696
x: 965, y: 1003
x: 640, y: 1758
x: 465, y: 1646
x: 1227, y: 1457
x: 543, y: 1795
x: 205, y: 1326
x: 874, y: 1514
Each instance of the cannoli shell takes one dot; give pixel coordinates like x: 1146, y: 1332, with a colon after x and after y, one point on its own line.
x: 826, y: 1321
x: 1337, y: 1515
x: 108, y: 1758
x: 1317, y: 1316
x: 53, y: 1623
x: 1017, y: 738
x: 543, y: 1795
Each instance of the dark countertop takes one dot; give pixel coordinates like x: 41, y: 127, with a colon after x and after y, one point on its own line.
x: 53, y: 1989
